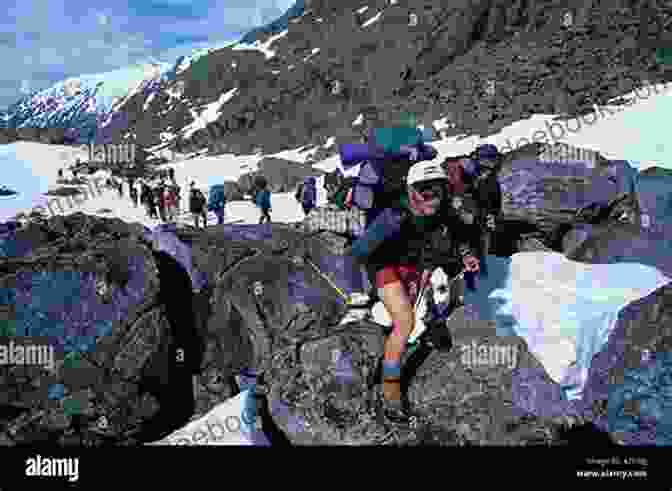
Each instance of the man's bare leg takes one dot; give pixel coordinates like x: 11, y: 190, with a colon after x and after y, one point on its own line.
x: 400, y: 309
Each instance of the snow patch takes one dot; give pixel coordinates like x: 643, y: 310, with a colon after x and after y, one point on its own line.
x: 148, y: 101
x: 210, y: 114
x: 372, y: 20
x: 263, y: 47
x: 358, y: 121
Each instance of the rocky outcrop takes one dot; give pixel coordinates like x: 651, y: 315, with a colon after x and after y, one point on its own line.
x: 551, y: 195
x: 163, y: 321
x: 94, y: 291
x: 275, y: 313
x: 641, y: 337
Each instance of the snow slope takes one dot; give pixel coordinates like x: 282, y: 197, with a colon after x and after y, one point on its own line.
x: 82, y: 101
x: 31, y: 169
x: 229, y: 423
x: 565, y: 310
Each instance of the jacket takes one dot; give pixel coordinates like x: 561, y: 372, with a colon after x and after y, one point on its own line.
x: 263, y: 199
x: 398, y: 237
x: 196, y: 201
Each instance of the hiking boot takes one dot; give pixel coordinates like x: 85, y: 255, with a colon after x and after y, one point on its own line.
x: 355, y: 315
x: 359, y: 300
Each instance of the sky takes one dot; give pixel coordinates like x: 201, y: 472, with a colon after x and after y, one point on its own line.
x: 46, y: 41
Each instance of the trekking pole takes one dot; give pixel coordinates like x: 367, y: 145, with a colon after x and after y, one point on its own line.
x: 344, y: 295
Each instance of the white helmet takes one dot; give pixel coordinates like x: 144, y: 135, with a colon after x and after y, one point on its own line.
x: 425, y: 171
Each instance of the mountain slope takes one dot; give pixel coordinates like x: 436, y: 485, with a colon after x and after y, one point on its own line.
x: 476, y: 67
x: 83, y: 102
x: 438, y: 69
x: 84, y: 107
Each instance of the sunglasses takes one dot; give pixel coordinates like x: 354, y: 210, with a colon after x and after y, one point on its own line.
x: 429, y: 190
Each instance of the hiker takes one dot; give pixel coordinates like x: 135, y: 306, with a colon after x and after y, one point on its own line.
x: 217, y: 202
x: 60, y: 173
x: 306, y: 194
x: 197, y: 204
x: 170, y: 200
x: 134, y: 195
x: 262, y: 199
x: 477, y: 193
x: 171, y: 175
x: 159, y: 195
x: 147, y: 198
x: 394, y: 246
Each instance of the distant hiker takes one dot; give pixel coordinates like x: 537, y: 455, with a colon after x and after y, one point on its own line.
x: 306, y: 194
x: 171, y: 175
x: 217, y: 202
x: 197, y: 204
x: 171, y: 203
x: 120, y: 188
x: 262, y: 199
x: 147, y: 198
x: 60, y: 173
x: 159, y: 197
x: 134, y: 195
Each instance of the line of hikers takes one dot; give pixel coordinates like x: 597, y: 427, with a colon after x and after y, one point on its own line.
x: 407, y: 214
x: 162, y: 200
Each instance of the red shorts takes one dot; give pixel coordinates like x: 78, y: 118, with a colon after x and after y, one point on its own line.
x: 409, y: 276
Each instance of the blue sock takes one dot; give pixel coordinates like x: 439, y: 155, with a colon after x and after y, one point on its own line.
x: 391, y: 369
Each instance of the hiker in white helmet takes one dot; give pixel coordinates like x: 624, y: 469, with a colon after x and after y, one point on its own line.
x: 397, y: 248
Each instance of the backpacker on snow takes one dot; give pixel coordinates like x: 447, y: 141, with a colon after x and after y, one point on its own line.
x: 196, y: 201
x: 307, y: 193
x: 217, y: 197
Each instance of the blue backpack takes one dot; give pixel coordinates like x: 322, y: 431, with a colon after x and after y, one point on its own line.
x: 309, y: 192
x: 217, y: 198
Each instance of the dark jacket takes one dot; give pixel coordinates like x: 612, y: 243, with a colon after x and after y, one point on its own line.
x: 427, y: 242
x: 196, y: 201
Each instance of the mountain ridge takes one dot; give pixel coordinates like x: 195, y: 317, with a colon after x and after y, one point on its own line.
x: 286, y: 73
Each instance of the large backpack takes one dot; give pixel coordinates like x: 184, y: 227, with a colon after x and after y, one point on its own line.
x: 383, y: 168
x: 217, y: 198
x: 309, y: 192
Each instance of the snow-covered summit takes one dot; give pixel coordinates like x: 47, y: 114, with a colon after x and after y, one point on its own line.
x: 83, y: 102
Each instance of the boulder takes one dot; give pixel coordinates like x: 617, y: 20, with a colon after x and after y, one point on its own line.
x: 640, y: 340
x: 554, y: 194
x: 90, y: 289
x: 274, y: 313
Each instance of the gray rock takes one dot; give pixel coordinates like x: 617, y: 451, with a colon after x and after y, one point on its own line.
x: 90, y: 289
